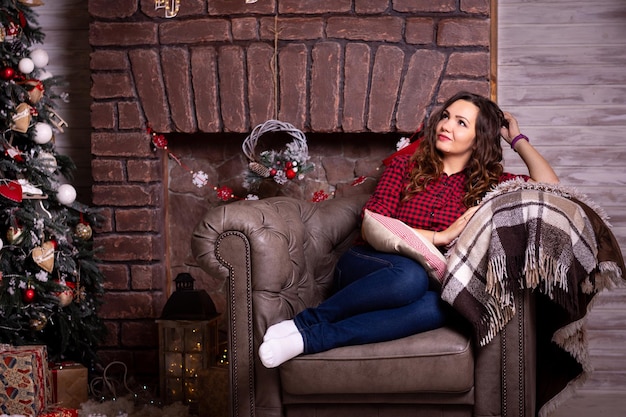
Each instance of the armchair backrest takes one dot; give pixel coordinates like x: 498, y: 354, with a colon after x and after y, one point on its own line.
x: 294, y: 244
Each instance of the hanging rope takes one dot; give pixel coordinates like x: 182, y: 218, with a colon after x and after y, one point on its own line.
x: 275, y: 69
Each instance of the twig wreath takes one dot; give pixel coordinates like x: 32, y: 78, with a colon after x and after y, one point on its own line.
x: 281, y: 166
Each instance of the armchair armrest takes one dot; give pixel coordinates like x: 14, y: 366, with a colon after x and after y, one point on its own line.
x: 505, y: 373
x: 278, y: 257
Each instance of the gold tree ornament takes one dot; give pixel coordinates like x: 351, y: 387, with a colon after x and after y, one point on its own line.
x: 83, y: 231
x: 38, y: 323
x: 22, y: 117
x: 44, y: 256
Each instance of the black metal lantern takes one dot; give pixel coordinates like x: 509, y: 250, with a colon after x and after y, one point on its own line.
x: 188, y: 341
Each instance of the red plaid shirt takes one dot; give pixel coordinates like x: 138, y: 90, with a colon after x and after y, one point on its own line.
x: 435, y: 208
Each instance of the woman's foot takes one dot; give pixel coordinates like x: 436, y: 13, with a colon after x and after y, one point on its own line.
x: 275, y: 352
x: 280, y: 330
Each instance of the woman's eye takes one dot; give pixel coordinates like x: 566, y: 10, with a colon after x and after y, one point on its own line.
x: 462, y: 123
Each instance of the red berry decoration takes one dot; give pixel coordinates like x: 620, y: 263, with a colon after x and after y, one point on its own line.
x: 159, y: 141
x: 7, y: 73
x: 320, y: 195
x: 290, y: 173
x: 29, y: 295
x: 224, y: 193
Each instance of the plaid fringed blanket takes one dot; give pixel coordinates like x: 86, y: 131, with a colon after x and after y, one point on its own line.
x: 519, y: 239
x: 538, y: 236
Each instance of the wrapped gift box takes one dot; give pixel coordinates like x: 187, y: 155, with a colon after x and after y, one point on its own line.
x: 23, y: 379
x: 69, y: 384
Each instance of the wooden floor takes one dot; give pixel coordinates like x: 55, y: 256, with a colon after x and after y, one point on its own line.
x: 594, y: 404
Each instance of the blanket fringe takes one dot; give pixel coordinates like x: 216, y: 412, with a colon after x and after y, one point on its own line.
x: 573, y: 339
x: 497, y: 281
x: 535, y: 270
x: 549, y: 272
x: 609, y: 276
x: 498, y: 318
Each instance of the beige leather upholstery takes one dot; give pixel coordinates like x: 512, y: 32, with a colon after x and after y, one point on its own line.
x: 278, y: 256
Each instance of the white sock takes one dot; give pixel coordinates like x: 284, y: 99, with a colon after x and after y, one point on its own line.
x: 280, y: 330
x: 275, y: 352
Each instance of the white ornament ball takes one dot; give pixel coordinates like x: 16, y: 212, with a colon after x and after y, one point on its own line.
x: 1, y: 244
x: 66, y: 194
x: 26, y: 65
x: 42, y: 133
x: 40, y: 57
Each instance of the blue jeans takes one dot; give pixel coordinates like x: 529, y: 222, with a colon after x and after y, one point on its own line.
x: 380, y: 297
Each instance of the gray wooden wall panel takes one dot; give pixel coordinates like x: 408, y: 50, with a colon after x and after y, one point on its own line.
x: 562, y: 72
x: 66, y: 26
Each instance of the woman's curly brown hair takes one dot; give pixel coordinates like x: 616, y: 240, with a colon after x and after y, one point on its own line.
x: 485, y: 164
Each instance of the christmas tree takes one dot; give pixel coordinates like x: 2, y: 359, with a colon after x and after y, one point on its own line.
x: 50, y: 283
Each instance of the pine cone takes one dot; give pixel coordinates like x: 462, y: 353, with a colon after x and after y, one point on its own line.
x: 259, y: 169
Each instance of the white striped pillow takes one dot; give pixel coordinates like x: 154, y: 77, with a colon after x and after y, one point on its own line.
x: 387, y: 234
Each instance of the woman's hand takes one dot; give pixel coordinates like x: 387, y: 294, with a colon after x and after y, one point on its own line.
x: 454, y: 230
x: 510, y: 132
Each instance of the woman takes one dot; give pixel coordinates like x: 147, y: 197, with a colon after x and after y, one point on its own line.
x: 384, y: 296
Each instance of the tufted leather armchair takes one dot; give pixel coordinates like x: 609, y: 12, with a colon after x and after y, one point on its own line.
x: 278, y: 255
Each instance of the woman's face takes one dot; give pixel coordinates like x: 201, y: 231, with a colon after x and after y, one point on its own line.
x: 456, y: 130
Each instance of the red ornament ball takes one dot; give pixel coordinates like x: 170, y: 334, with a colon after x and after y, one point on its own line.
x: 7, y: 73
x: 290, y: 173
x: 29, y: 295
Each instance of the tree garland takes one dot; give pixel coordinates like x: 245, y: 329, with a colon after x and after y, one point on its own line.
x: 292, y: 161
x: 199, y: 178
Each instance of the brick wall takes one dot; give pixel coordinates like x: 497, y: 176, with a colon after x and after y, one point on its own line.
x: 351, y: 68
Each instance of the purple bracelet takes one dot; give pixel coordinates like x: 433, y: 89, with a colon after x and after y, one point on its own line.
x: 517, y: 138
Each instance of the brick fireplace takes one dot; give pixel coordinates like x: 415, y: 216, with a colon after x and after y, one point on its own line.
x: 354, y: 75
